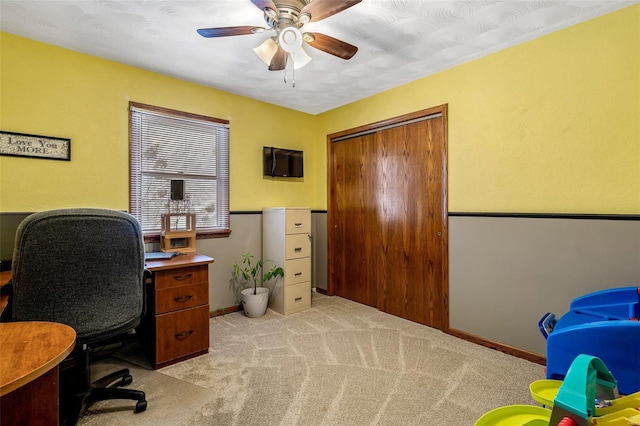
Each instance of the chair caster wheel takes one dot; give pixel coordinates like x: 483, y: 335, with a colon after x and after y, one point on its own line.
x: 141, y: 406
x: 126, y: 380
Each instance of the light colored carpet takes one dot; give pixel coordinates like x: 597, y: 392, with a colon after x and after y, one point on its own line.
x: 339, y: 363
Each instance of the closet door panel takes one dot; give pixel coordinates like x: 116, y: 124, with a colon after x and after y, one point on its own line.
x: 411, y: 221
x: 387, y: 216
x: 353, y: 269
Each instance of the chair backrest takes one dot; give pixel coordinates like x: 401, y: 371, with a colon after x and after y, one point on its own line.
x: 80, y: 267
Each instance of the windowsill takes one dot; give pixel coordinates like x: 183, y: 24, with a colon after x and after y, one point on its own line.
x: 200, y: 235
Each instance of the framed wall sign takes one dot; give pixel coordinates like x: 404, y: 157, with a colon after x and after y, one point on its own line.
x: 24, y: 145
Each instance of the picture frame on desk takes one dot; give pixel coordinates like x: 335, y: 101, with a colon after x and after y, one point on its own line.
x: 34, y: 146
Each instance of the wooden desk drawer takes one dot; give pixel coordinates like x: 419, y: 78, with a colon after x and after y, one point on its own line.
x: 181, y: 333
x: 297, y: 297
x: 181, y: 276
x: 297, y: 246
x: 297, y: 271
x: 183, y: 297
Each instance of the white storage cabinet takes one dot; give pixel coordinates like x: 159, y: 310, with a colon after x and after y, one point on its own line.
x: 286, y: 239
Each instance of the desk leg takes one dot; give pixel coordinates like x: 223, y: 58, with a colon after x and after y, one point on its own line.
x: 35, y: 403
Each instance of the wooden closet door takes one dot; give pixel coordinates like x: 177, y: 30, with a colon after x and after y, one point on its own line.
x: 411, y: 222
x: 355, y: 219
x: 387, y: 220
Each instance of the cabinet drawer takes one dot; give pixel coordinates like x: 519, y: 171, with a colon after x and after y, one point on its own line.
x: 297, y: 297
x: 297, y: 246
x: 183, y: 297
x: 181, y: 333
x: 297, y: 271
x: 181, y: 276
x: 297, y: 221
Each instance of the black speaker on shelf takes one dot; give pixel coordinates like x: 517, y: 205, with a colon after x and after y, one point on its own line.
x: 177, y: 189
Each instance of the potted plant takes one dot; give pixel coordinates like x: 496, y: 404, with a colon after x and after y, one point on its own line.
x: 251, y: 276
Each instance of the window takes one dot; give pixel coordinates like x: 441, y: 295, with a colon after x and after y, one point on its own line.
x: 190, y: 150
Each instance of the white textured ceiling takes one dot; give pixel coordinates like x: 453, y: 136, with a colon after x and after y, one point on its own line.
x: 399, y: 40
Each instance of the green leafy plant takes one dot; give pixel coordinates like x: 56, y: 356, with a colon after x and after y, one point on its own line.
x: 249, y: 273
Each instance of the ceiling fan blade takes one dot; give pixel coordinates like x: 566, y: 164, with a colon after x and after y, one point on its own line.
x: 265, y: 4
x: 320, y: 9
x: 331, y: 45
x: 279, y: 60
x: 228, y: 31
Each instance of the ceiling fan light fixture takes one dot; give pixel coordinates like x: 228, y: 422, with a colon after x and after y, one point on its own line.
x: 266, y: 50
x: 290, y: 39
x: 300, y: 58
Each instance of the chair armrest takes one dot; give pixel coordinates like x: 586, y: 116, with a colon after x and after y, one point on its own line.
x: 6, y: 290
x: 147, y: 275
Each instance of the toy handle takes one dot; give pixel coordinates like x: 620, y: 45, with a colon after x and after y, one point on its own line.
x: 546, y: 324
x: 587, y: 375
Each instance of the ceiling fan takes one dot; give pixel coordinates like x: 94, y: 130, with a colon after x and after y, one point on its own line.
x: 286, y: 17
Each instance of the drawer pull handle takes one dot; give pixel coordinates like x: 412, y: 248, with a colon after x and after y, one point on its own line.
x: 298, y: 249
x: 183, y: 335
x: 298, y: 299
x: 182, y: 277
x: 298, y: 225
x: 298, y: 274
x: 181, y: 299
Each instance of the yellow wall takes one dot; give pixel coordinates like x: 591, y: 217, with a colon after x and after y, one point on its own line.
x: 551, y: 125
x: 46, y: 90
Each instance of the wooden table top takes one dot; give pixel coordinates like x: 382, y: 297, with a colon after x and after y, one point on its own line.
x: 29, y: 349
x: 191, y: 259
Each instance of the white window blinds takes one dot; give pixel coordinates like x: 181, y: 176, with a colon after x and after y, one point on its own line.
x: 170, y: 145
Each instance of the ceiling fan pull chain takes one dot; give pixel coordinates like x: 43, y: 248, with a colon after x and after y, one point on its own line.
x: 285, y: 68
x: 293, y: 72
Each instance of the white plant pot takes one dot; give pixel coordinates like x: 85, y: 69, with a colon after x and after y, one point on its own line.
x: 255, y: 305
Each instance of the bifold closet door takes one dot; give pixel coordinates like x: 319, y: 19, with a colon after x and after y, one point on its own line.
x: 388, y: 216
x: 411, y: 222
x: 355, y: 222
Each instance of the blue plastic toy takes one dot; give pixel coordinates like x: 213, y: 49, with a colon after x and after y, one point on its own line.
x: 603, y: 324
x: 588, y: 396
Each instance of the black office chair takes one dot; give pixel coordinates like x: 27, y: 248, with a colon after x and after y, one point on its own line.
x: 83, y: 268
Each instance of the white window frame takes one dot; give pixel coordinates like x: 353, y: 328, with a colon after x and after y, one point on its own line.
x: 214, y: 222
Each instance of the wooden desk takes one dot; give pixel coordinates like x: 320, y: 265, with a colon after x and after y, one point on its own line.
x: 31, y: 352
x: 176, y: 326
